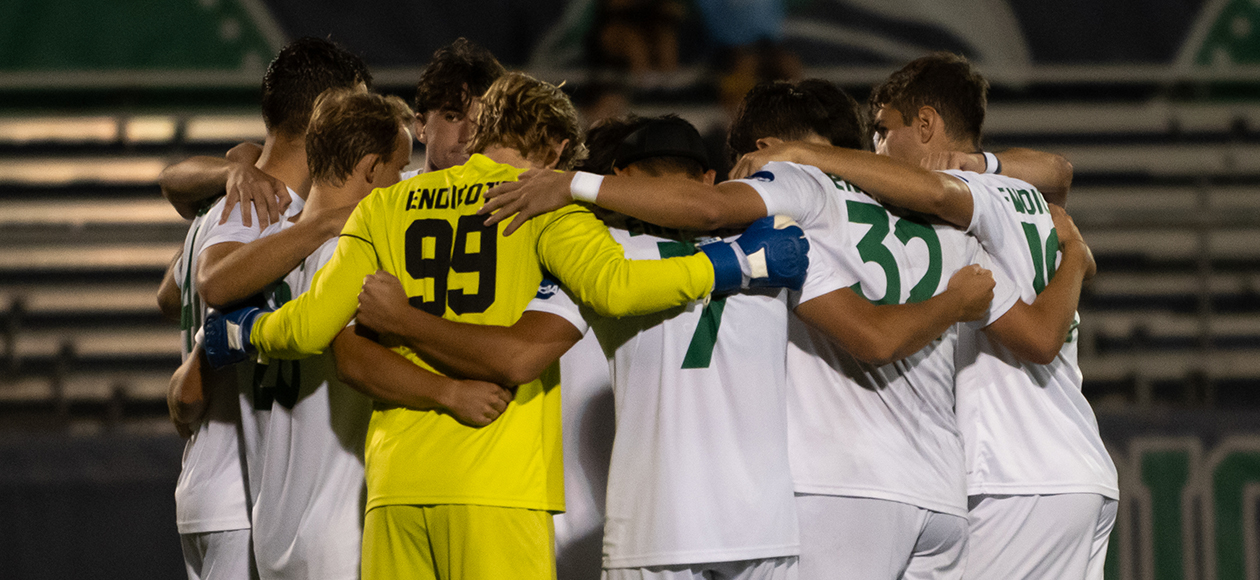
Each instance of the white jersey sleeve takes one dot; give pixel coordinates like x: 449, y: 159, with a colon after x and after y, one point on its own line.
x: 553, y: 299
x: 233, y: 230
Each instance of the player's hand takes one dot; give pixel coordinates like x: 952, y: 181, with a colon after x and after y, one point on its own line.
x: 973, y: 286
x: 943, y: 160
x: 383, y: 304
x: 772, y: 252
x: 770, y: 149
x: 1070, y: 240
x: 250, y: 187
x: 476, y: 403
x: 536, y: 192
x: 227, y: 335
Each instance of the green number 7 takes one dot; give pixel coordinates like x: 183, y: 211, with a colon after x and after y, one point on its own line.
x: 704, y: 340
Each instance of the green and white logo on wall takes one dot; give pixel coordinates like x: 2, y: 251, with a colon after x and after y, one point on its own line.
x: 136, y: 35
x: 1226, y: 33
x: 1187, y: 513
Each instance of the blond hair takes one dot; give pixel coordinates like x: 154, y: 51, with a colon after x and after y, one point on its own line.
x: 530, y: 116
x: 348, y: 125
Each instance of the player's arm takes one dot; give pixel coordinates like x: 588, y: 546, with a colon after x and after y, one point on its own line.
x: 229, y: 272
x: 1050, y: 173
x: 168, y: 291
x: 886, y: 179
x: 187, y: 395
x: 190, y: 184
x: 881, y: 334
x: 507, y: 355
x: 1036, y: 332
x: 578, y: 250
x: 665, y: 201
x: 387, y: 376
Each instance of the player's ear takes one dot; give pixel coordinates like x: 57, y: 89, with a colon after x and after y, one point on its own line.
x: 370, y: 167
x: 929, y: 123
x: 710, y: 177
x: 554, y: 153
x: 419, y: 129
x: 767, y: 142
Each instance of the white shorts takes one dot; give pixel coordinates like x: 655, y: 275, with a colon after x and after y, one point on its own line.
x: 859, y: 538
x: 219, y: 555
x: 761, y: 569
x: 1059, y: 537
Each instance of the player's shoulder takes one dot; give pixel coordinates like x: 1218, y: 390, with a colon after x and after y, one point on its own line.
x: 991, y: 181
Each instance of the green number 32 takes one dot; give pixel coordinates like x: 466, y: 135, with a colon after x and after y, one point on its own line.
x: 872, y: 249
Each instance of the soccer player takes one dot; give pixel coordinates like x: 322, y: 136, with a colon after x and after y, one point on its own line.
x: 308, y: 516
x: 449, y: 90
x: 445, y: 500
x: 890, y: 501
x: 213, y: 496
x: 1042, y: 488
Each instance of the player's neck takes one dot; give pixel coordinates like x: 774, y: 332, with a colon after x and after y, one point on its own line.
x: 510, y: 156
x: 327, y: 195
x: 284, y: 158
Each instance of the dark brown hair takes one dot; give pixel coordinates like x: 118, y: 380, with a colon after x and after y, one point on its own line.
x: 792, y: 111
x: 941, y: 80
x: 304, y: 69
x: 457, y: 73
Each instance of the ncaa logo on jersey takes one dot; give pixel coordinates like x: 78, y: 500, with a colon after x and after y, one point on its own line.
x: 762, y: 176
x: 547, y: 288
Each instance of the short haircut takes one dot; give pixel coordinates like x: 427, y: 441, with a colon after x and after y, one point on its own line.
x: 530, y: 116
x: 304, y: 69
x: 792, y: 111
x: 946, y: 82
x: 347, y: 126
x: 602, y: 140
x: 457, y: 73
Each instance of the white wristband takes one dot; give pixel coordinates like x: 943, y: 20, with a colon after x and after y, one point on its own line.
x: 991, y: 163
x: 585, y: 186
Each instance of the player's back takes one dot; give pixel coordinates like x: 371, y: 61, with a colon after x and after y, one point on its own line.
x: 699, y: 469
x: 885, y: 432
x: 426, y: 232
x: 308, y: 517
x: 211, y: 492
x: 1007, y: 406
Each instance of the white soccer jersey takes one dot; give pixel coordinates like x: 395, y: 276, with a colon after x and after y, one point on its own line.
x: 587, y: 411
x: 856, y: 430
x: 253, y: 419
x: 1027, y: 427
x: 211, y: 494
x: 699, y: 470
x: 308, y: 516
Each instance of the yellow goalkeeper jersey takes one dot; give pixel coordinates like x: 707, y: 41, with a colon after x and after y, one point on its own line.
x: 426, y: 232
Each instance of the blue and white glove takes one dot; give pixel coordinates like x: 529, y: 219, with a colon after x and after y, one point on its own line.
x: 772, y: 252
x: 227, y: 335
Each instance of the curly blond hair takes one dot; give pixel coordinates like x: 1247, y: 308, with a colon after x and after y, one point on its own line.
x: 530, y: 116
x: 349, y: 124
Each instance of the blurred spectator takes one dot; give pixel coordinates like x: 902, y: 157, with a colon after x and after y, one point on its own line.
x: 601, y: 100
x: 748, y: 35
x: 640, y: 35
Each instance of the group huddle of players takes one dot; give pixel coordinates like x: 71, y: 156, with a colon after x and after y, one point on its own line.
x: 838, y: 364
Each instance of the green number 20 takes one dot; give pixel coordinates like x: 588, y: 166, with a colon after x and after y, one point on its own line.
x: 872, y: 249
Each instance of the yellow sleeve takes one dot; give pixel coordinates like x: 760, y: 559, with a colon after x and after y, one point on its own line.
x: 306, y: 326
x: 577, y: 248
